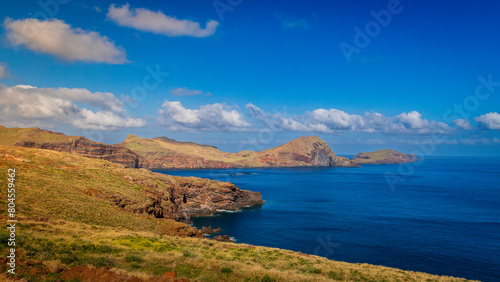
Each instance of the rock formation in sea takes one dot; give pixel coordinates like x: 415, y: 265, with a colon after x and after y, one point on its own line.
x: 385, y: 156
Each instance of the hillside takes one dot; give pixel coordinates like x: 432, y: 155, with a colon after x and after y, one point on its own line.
x: 162, y: 152
x: 83, y: 219
x: 384, y: 157
x: 45, y: 139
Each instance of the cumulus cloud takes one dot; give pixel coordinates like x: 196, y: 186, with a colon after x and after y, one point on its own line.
x: 490, y: 121
x: 3, y: 70
x: 213, y: 117
x: 413, y: 120
x: 159, y: 23
x: 337, y: 121
x: 183, y: 91
x: 463, y: 123
x: 57, y: 38
x: 31, y: 105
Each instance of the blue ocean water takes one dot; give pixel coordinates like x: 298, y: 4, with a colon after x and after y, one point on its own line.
x: 442, y: 217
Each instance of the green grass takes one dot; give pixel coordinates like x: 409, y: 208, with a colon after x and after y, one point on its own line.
x: 69, y: 218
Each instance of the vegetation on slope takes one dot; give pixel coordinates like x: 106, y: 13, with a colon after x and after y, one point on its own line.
x: 162, y: 152
x: 63, y: 227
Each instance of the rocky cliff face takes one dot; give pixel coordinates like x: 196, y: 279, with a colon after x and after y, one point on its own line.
x: 179, y: 160
x: 164, y: 153
x: 50, y: 140
x: 87, y: 148
x: 159, y: 153
x: 180, y: 198
x: 303, y: 151
x: 384, y: 157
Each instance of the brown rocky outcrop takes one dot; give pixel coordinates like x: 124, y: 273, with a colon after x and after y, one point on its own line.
x: 180, y: 198
x: 179, y: 160
x: 163, y: 153
x: 45, y: 139
x: 209, y: 230
x: 41, y: 272
x: 87, y: 148
x: 303, y: 151
x: 222, y: 238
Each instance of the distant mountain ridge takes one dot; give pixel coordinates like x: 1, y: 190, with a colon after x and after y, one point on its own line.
x: 34, y: 137
x: 163, y: 152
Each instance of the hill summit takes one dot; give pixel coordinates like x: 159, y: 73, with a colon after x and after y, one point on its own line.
x: 162, y: 152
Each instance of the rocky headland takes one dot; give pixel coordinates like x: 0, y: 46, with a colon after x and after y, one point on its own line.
x: 165, y: 153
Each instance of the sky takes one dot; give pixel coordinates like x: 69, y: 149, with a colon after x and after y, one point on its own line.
x: 416, y: 76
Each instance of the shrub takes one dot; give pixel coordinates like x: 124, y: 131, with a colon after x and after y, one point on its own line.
x: 133, y: 258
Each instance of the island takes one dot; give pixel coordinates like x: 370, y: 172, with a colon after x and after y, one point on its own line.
x: 384, y: 156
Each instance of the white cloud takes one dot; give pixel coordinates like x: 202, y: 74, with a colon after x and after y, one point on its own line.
x: 479, y: 141
x: 337, y: 121
x: 28, y: 104
x: 57, y: 38
x: 489, y: 121
x: 413, y: 120
x: 157, y: 22
x: 3, y: 70
x: 183, y: 91
x: 463, y: 123
x: 212, y: 117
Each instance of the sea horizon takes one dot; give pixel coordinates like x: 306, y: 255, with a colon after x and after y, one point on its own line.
x: 264, y: 226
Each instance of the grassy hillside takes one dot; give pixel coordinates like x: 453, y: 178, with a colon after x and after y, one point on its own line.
x: 68, y: 226
x: 163, y: 145
x: 11, y: 136
x: 163, y: 152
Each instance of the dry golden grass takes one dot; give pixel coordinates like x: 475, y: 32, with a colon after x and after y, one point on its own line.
x: 61, y: 224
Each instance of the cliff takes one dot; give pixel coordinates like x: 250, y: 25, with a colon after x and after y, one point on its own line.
x: 303, y: 151
x: 92, y: 220
x: 131, y: 191
x: 384, y: 157
x: 162, y: 152
x: 46, y: 139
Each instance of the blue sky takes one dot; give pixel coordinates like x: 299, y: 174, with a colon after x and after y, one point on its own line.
x: 254, y: 74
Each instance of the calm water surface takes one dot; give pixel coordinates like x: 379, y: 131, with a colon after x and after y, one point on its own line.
x: 444, y: 218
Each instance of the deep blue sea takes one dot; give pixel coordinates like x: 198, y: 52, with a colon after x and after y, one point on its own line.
x: 442, y: 217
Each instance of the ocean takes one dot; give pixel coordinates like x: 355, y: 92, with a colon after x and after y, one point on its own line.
x: 441, y: 217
